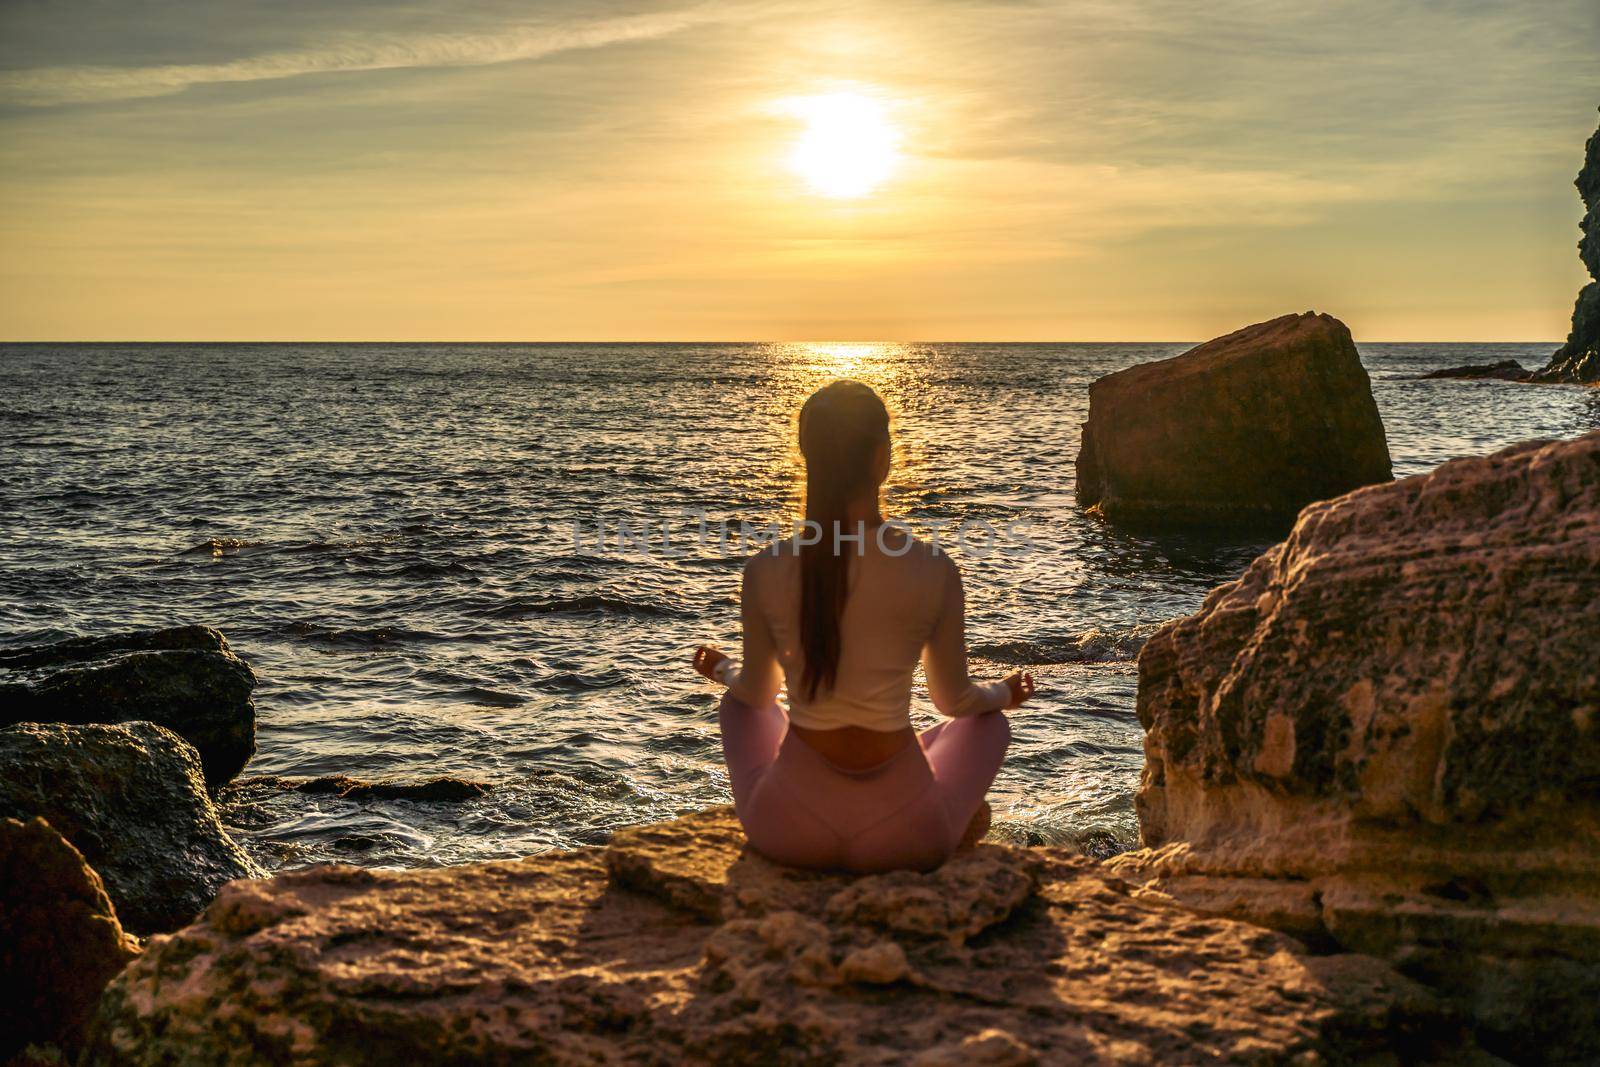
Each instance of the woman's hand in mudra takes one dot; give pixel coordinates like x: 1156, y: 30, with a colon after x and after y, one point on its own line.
x: 1021, y: 685
x: 706, y: 659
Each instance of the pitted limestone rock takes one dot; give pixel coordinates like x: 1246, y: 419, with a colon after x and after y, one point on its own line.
x: 1385, y: 737
x: 675, y: 946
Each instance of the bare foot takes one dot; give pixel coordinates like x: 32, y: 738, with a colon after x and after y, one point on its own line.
x: 978, y: 827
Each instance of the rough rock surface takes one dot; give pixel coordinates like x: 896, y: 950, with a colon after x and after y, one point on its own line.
x: 1579, y: 359
x: 1245, y: 429
x: 1386, y: 737
x: 131, y: 799
x: 1506, y: 370
x: 184, y: 678
x: 441, y: 788
x: 60, y: 942
x: 674, y: 945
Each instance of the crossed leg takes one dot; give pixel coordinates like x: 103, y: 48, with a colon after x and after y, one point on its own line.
x: 965, y: 755
x: 750, y: 741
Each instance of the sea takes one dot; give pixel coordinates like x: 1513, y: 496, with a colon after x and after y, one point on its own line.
x: 492, y: 562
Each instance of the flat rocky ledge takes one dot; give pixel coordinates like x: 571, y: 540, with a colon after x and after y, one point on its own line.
x: 675, y: 944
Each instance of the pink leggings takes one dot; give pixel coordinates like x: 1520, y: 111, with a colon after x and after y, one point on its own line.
x: 908, y: 812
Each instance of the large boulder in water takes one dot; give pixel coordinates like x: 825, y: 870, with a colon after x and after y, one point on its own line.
x: 675, y: 945
x: 131, y: 798
x: 60, y: 942
x: 1246, y: 429
x: 1386, y: 737
x: 1579, y: 359
x: 184, y: 678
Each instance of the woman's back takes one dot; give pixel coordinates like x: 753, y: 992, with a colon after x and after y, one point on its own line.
x: 904, y: 604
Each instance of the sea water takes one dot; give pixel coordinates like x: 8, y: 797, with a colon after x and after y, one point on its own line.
x: 493, y: 561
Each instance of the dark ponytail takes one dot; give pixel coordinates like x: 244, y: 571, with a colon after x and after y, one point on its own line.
x: 841, y: 427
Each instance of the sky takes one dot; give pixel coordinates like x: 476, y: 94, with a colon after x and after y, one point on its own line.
x: 783, y: 170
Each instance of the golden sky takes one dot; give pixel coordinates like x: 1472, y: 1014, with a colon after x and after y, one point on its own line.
x: 782, y: 170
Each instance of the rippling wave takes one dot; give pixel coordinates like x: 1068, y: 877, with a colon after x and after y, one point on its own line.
x: 1094, y: 646
x: 581, y: 605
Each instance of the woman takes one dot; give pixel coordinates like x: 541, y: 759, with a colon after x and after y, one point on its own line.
x: 842, y: 614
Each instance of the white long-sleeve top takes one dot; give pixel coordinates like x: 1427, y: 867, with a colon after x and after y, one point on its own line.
x: 900, y: 607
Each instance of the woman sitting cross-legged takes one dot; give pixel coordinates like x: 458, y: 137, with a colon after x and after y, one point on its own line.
x: 842, y: 781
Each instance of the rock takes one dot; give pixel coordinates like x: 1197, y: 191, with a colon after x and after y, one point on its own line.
x: 1243, y: 430
x: 184, y: 678
x: 442, y: 788
x: 881, y: 963
x: 686, y: 862
x: 80, y: 649
x: 1386, y: 735
x: 968, y: 894
x: 131, y: 799
x: 1579, y: 359
x: 1507, y: 370
x: 677, y: 946
x: 40, y: 1056
x: 60, y: 942
x: 991, y: 1048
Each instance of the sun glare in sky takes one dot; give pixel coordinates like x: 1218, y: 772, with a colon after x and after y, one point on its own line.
x: 848, y: 146
x: 1057, y: 170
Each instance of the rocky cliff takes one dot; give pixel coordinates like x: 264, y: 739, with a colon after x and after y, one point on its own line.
x: 1385, y: 738
x: 1579, y: 359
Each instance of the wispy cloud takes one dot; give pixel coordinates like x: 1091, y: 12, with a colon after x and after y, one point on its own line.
x: 1090, y: 168
x: 52, y: 86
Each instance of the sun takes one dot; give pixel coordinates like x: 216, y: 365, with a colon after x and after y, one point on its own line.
x: 848, y: 146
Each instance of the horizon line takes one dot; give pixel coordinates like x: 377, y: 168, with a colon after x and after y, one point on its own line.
x: 708, y: 341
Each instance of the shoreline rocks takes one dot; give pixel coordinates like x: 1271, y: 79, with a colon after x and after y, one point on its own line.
x: 676, y: 945
x: 79, y: 649
x: 132, y: 800
x: 184, y: 678
x: 1244, y: 430
x: 1385, y: 736
x: 1506, y: 370
x: 60, y: 942
x: 1579, y: 359
x: 442, y: 788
